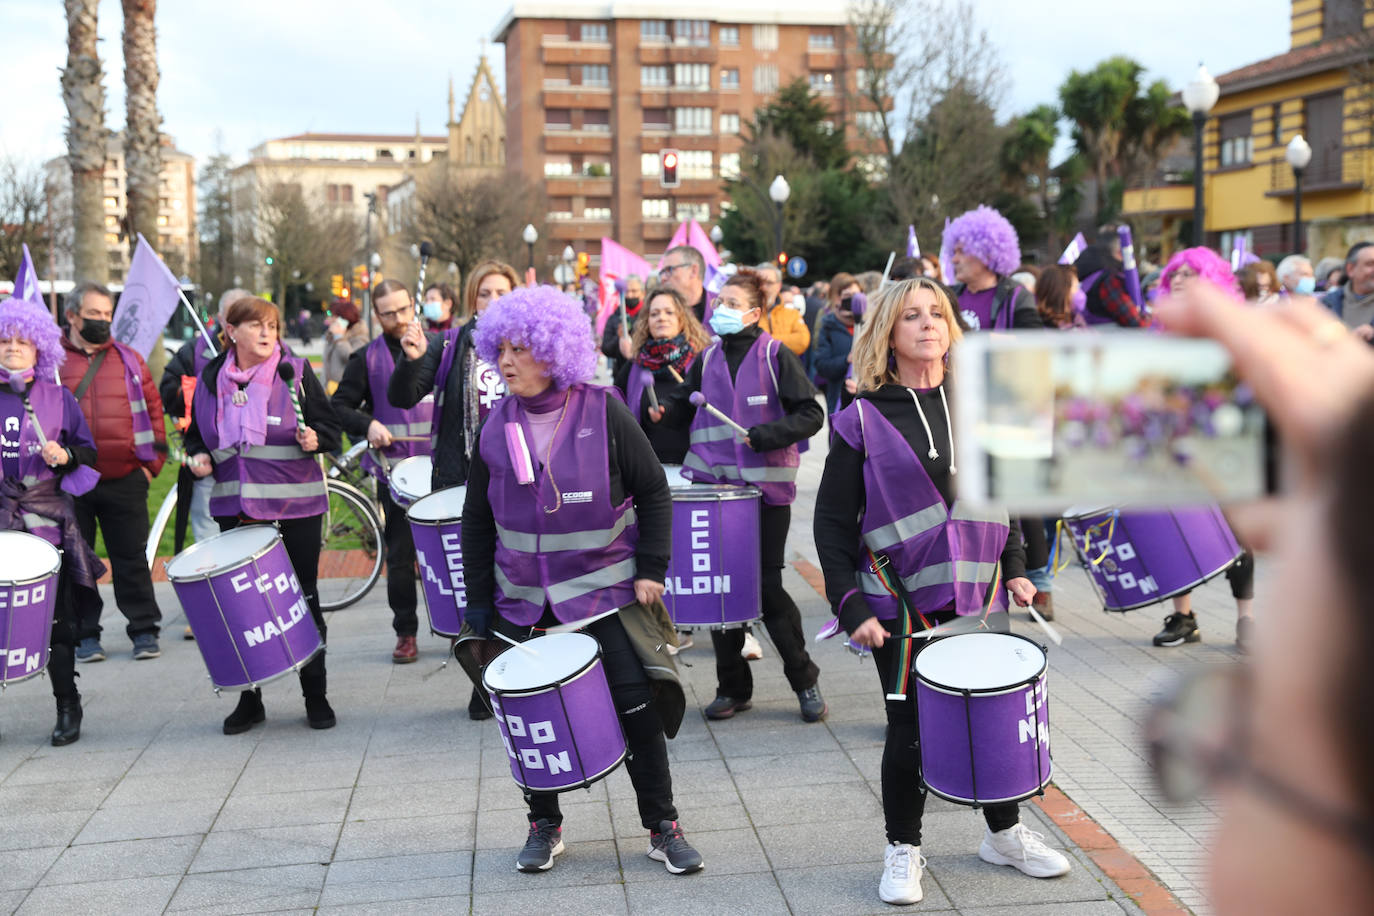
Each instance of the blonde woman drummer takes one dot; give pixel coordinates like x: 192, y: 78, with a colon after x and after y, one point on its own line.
x: 884, y: 513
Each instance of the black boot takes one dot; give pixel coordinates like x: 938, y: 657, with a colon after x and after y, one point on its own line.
x: 478, y: 708
x: 318, y: 712
x: 68, y: 727
x: 248, y: 713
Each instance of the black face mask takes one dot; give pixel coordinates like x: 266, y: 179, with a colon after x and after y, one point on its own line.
x: 94, y: 332
x: 632, y: 302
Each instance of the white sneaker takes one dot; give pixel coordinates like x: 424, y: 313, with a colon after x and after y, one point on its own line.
x: 752, y: 650
x: 902, y: 867
x: 1024, y: 849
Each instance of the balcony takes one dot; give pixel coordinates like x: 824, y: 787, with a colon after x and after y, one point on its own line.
x: 822, y: 59
x: 557, y: 50
x: 577, y: 97
x: 690, y: 97
x: 569, y: 230
x: 577, y: 186
x: 1159, y: 200
x: 690, y: 187
x: 1330, y: 170
x: 651, y: 141
x: 577, y: 141
x: 692, y: 54
x: 658, y: 230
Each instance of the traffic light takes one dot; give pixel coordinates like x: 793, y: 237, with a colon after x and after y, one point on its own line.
x: 782, y: 260
x: 336, y: 287
x: 668, y: 159
x: 269, y: 260
x: 583, y: 263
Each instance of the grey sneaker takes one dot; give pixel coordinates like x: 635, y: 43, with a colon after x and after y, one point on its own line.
x: 669, y: 846
x: 145, y: 646
x: 544, y: 842
x: 89, y: 650
x: 813, y: 707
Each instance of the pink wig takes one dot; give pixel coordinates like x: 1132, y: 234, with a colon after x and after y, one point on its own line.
x: 19, y: 318
x: 1204, y: 262
x: 986, y: 235
x: 551, y: 324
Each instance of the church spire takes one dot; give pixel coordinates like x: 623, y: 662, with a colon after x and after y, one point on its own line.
x: 450, y: 99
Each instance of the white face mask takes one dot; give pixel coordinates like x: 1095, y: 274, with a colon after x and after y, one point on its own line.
x: 798, y: 303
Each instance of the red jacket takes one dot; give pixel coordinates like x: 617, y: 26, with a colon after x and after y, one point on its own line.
x: 106, y: 406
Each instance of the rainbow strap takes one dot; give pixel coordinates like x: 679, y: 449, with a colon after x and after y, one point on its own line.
x: 905, y: 649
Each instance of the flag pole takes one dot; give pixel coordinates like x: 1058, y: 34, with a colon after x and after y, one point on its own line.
x: 200, y: 325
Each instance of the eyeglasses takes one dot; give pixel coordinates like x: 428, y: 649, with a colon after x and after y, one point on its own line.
x: 666, y: 270
x: 388, y: 316
x: 1199, y: 737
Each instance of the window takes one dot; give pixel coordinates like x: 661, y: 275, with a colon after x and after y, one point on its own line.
x: 594, y: 31
x: 331, y: 194
x: 692, y: 76
x: 653, y: 31
x: 596, y: 75
x: 111, y: 222
x: 112, y: 238
x: 868, y: 123
x: 693, y: 163
x: 557, y: 119
x: 1323, y: 116
x: 729, y: 122
x: 560, y: 208
x: 112, y: 184
x: 657, y: 119
x: 162, y: 220
x: 346, y: 194
x: 728, y: 35
x: 590, y: 212
x: 111, y: 203
x: 765, y: 38
x: 1228, y: 240
x: 692, y: 120
x: 729, y: 165
x: 1278, y: 125
x: 648, y: 165
x: 597, y: 119
x: 654, y: 208
x: 1236, y: 142
x: 822, y: 81
x: 653, y: 76
x: 729, y: 79
x: 821, y: 41
x: 701, y: 212
x: 596, y: 167
x: 865, y: 79
x: 558, y: 168
x: 766, y: 78
x: 827, y: 127
x: 695, y: 32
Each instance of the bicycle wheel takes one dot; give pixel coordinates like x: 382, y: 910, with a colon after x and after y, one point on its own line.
x: 351, y: 552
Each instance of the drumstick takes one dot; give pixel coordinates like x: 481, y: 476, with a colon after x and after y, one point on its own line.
x: 519, y: 645
x: 677, y: 376
x: 288, y: 375
x: 653, y: 396
x: 410, y: 438
x: 1050, y: 631
x: 20, y: 387
x: 699, y: 400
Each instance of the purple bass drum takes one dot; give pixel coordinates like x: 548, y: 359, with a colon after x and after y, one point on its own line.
x: 245, y: 607
x: 436, y: 525
x: 984, y: 718
x: 714, y: 577
x: 555, y: 712
x: 28, y: 597
x: 1138, y: 558
x: 409, y: 479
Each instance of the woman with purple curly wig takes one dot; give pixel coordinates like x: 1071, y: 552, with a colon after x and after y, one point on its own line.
x: 47, y: 456
x: 985, y: 252
x: 568, y: 520
x: 1198, y: 263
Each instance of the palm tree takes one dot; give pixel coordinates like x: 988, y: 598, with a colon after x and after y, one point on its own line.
x: 142, y: 149
x: 85, y: 99
x: 1098, y: 102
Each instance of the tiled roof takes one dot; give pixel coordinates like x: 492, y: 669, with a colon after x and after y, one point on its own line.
x: 361, y: 138
x: 1314, y: 58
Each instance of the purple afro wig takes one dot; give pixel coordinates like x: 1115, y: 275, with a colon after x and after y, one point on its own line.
x: 34, y: 323
x: 551, y: 324
x: 1204, y: 262
x: 985, y: 234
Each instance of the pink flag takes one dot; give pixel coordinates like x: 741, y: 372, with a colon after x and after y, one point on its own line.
x: 26, y: 281
x: 679, y: 238
x: 151, y: 294
x: 617, y: 263
x: 698, y: 239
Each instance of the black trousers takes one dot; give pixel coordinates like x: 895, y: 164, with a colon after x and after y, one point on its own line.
x: 66, y: 633
x: 301, y: 538
x: 120, y: 507
x: 400, y: 564
x: 647, y: 762
x: 904, y: 801
x: 780, y: 616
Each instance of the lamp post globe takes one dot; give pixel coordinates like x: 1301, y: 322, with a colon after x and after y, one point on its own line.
x: 568, y: 253
x: 779, y: 190
x: 530, y: 235
x: 1198, y: 97
x: 1299, y: 155
x: 716, y: 235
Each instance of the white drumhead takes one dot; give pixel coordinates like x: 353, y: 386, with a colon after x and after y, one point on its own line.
x: 25, y: 556
x: 674, y: 474
x: 223, y: 551
x: 980, y: 661
x: 411, y: 476
x: 560, y: 655
x: 1087, y: 511
x: 440, y: 506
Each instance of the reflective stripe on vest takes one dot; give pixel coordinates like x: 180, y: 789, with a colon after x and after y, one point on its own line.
x: 528, y: 542
x: 260, y: 452
x: 246, y: 490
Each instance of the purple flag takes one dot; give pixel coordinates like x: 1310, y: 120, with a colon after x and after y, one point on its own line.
x: 946, y: 256
x: 26, y: 281
x: 698, y: 239
x: 151, y: 294
x: 1076, y: 247
x: 1130, y: 273
x: 913, y: 250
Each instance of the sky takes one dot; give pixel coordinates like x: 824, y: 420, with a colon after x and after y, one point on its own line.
x: 237, y: 73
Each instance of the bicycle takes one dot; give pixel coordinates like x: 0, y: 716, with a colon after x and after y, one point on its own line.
x: 351, y: 552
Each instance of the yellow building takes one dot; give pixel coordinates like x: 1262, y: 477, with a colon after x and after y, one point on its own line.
x: 1322, y: 88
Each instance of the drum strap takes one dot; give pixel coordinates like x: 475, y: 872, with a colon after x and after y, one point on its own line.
x: 901, y: 677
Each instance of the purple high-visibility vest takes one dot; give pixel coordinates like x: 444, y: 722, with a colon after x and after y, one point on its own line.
x: 413, y: 421
x: 46, y: 398
x: 945, y: 556
x: 274, y: 480
x: 580, y: 559
x: 138, y: 406
x: 716, y: 455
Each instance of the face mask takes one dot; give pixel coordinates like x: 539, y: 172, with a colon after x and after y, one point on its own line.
x: 1306, y: 286
x: 432, y: 311
x: 1078, y: 299
x: 632, y: 302
x: 727, y: 320
x: 94, y: 332
x: 798, y: 304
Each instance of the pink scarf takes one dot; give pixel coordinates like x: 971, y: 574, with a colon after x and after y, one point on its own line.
x: 244, y: 424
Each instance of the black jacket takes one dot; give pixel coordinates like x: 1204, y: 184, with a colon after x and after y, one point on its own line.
x: 352, y: 400
x: 610, y: 337
x: 670, y: 442
x: 841, y: 499
x: 414, y: 378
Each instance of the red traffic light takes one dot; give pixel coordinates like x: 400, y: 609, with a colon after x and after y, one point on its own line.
x: 782, y: 259
x: 668, y: 160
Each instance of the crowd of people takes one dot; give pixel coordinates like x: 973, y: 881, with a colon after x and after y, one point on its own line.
x: 568, y: 520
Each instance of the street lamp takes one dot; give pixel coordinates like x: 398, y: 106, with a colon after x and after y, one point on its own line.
x: 530, y: 235
x: 716, y: 236
x: 779, y: 191
x: 1198, y: 97
x: 1298, y: 154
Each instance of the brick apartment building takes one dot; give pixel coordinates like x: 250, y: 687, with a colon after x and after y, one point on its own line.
x: 596, y: 90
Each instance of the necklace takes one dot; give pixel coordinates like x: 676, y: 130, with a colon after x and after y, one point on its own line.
x: 548, y: 458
